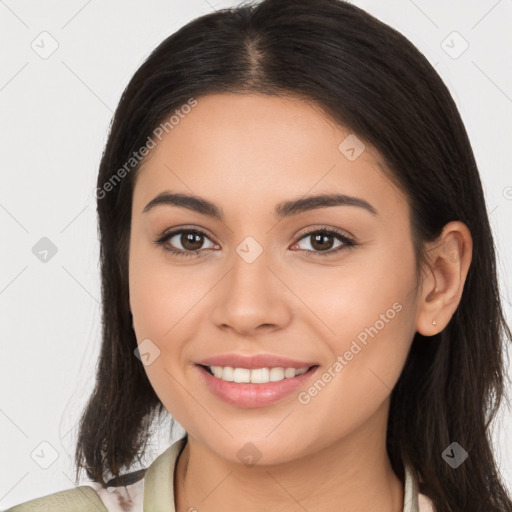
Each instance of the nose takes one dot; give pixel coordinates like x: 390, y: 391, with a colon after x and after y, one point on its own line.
x: 251, y: 298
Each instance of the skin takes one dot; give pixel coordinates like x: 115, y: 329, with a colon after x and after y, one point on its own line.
x: 246, y: 153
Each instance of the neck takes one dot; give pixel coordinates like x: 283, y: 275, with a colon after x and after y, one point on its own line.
x: 353, y: 473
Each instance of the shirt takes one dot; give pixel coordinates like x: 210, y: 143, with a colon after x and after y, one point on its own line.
x: 152, y: 490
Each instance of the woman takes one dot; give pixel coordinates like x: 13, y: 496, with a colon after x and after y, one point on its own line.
x: 297, y: 265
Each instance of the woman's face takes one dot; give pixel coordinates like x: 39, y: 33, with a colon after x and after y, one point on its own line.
x: 268, y: 284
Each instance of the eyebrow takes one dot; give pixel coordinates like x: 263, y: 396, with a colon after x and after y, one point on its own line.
x: 282, y: 210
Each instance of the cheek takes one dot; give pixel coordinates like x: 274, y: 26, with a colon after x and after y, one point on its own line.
x: 367, y: 355
x: 145, y: 300
x: 156, y: 302
x: 371, y: 313
x: 158, y: 292
x: 368, y: 300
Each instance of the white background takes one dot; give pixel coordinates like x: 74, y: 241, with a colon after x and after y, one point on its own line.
x: 55, y: 114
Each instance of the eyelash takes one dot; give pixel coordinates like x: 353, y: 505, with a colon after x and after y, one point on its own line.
x: 347, y: 242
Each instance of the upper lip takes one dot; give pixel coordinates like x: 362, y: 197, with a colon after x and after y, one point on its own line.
x: 254, y: 361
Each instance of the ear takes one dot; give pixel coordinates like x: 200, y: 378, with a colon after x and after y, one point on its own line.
x: 443, y: 283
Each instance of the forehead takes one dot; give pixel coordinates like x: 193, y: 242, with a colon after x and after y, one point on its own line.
x: 257, y: 149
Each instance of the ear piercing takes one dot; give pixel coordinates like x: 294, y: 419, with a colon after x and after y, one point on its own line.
x: 434, y: 322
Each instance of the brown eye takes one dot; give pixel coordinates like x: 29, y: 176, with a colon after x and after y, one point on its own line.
x: 191, y: 241
x: 184, y: 242
x: 322, y: 242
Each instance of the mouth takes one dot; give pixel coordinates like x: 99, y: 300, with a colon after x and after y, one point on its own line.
x: 256, y: 375
x: 258, y: 387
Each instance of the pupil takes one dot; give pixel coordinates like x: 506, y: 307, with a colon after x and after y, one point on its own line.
x: 320, y: 239
x: 193, y: 239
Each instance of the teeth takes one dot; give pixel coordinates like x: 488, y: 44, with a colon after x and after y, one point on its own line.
x: 257, y: 375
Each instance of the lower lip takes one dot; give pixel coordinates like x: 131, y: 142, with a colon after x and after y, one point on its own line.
x: 248, y: 395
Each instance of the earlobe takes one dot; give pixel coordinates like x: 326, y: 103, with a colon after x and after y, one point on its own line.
x: 429, y: 313
x: 441, y: 291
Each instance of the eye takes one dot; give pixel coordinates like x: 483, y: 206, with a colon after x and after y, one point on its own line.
x: 191, y: 241
x: 322, y: 242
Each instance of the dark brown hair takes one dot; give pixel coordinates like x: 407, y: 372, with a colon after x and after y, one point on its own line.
x: 370, y: 78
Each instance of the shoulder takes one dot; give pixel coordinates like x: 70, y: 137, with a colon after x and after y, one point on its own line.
x: 414, y: 499
x: 125, y: 493
x: 79, y: 499
x: 425, y: 504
